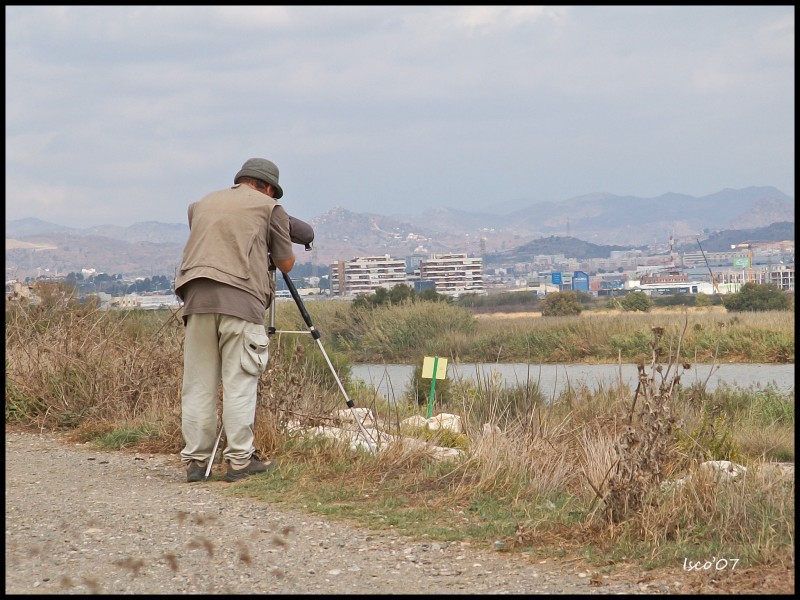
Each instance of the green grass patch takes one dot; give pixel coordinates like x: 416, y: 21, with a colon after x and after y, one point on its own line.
x: 128, y: 437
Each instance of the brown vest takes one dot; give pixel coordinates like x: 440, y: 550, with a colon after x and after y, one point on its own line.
x: 228, y: 241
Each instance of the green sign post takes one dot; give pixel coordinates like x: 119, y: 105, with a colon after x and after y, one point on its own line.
x: 433, y: 368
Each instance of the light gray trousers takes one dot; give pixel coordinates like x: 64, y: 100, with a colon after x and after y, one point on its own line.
x: 231, y: 350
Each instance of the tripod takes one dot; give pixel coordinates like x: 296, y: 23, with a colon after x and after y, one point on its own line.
x: 316, y: 335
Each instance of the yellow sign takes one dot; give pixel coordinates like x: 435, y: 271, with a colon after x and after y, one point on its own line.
x: 428, y: 365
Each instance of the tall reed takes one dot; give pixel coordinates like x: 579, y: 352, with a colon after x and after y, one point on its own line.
x: 406, y: 332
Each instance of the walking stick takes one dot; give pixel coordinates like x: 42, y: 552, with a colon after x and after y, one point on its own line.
x: 213, y: 453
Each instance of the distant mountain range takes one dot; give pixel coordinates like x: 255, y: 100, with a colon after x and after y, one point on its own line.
x: 571, y: 247
x: 597, y: 222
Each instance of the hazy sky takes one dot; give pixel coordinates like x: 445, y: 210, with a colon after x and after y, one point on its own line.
x: 116, y: 115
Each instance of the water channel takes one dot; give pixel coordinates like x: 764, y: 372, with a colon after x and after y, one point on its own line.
x: 393, y: 380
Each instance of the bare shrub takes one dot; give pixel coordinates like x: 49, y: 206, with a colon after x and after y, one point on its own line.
x: 644, y: 446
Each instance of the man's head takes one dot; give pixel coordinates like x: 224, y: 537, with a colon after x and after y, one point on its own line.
x: 263, y: 170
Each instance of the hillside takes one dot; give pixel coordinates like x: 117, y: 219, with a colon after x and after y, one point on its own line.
x: 589, y: 226
x: 721, y: 241
x: 568, y: 246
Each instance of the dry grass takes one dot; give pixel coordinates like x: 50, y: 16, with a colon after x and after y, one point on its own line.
x: 67, y: 367
x: 402, y: 333
x: 584, y: 470
x: 720, y: 310
x: 119, y: 374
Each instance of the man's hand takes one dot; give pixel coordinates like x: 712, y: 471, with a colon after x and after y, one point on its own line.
x: 285, y: 265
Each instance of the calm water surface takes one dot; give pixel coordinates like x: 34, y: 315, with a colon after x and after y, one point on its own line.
x: 392, y: 380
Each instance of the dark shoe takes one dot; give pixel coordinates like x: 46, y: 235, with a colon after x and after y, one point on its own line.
x: 254, y: 466
x: 196, y: 471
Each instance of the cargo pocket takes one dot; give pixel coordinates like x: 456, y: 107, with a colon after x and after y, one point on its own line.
x: 255, y: 352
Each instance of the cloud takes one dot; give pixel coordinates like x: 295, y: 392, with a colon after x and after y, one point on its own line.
x: 392, y: 108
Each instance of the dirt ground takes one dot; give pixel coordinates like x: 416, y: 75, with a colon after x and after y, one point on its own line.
x: 84, y: 521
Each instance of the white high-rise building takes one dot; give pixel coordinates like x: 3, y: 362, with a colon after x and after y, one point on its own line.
x: 453, y: 273
x: 363, y: 275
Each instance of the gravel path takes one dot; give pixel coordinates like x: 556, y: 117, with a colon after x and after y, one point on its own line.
x: 83, y: 521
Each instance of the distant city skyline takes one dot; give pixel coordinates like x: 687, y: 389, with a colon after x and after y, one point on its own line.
x: 119, y: 115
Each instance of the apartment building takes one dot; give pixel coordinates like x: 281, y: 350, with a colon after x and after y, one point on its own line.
x: 148, y: 301
x: 364, y: 275
x: 781, y: 276
x: 760, y: 253
x: 453, y: 274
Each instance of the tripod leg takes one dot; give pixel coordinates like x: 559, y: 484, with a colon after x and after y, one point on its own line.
x: 316, y: 335
x: 350, y: 404
x: 272, y: 306
x: 213, y: 452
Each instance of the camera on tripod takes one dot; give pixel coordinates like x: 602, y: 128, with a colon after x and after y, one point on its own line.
x: 301, y: 232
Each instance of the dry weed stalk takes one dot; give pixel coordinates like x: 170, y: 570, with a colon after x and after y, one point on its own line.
x: 643, y: 447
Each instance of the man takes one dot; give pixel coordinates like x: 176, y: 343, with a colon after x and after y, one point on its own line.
x: 226, y: 287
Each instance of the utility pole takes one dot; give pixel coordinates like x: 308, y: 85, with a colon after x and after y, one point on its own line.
x: 314, y: 268
x: 713, y: 279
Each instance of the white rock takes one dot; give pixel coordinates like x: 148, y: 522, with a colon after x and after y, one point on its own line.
x: 724, y: 470
x: 777, y: 471
x: 446, y: 421
x: 415, y: 421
